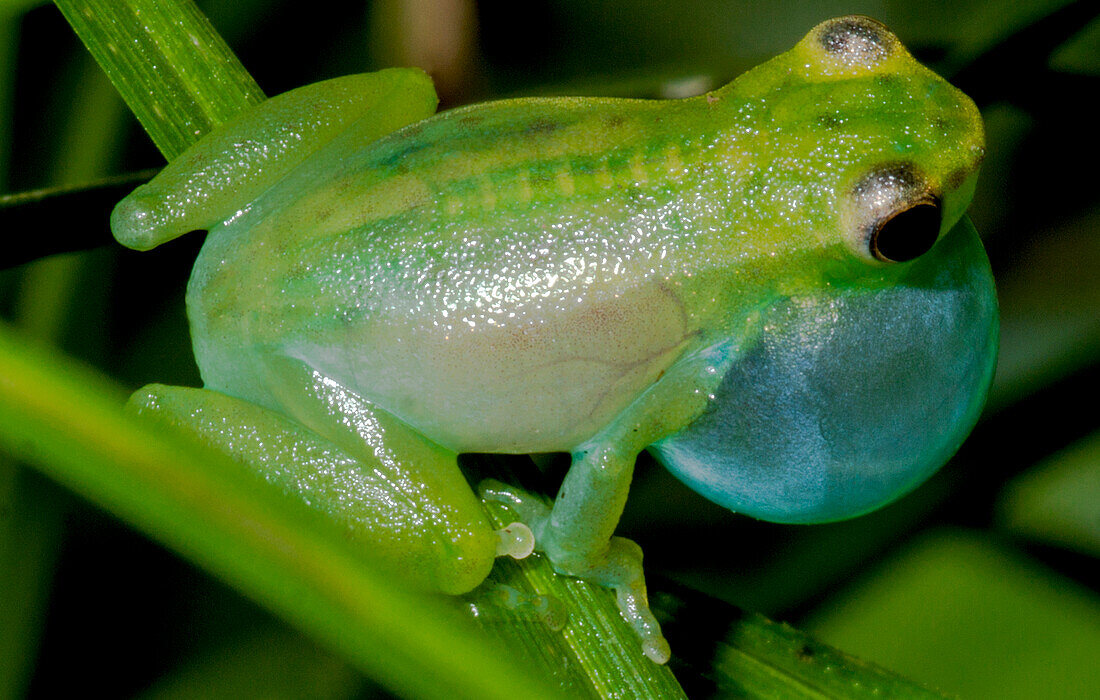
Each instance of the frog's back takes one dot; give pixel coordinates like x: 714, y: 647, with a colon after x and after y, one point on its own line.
x: 509, y: 277
x: 498, y: 277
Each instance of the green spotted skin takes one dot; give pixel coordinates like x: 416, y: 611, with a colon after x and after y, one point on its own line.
x: 490, y: 256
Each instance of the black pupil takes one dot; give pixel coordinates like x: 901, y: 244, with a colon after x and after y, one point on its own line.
x: 908, y: 234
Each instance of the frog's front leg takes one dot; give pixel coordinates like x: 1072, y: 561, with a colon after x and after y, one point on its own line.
x: 398, y: 494
x: 576, y: 533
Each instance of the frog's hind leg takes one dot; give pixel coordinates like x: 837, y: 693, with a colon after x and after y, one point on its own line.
x: 229, y: 167
x: 400, y: 495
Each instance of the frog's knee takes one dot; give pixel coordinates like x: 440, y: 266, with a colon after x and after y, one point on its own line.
x: 464, y: 562
x: 469, y: 557
x: 137, y: 222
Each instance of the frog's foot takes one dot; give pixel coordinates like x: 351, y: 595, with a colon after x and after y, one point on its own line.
x: 618, y: 565
x: 532, y: 511
x: 547, y: 609
x: 515, y: 540
x: 619, y: 568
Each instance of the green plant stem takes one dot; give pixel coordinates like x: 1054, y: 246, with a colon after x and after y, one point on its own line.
x: 219, y: 514
x: 168, y: 63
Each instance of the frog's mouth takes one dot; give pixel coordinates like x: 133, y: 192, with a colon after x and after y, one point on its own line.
x: 851, y: 398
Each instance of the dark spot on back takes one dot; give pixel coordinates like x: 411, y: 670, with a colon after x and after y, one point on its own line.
x: 856, y: 41
x: 886, y: 82
x: 472, y: 119
x: 542, y: 126
x: 615, y: 121
x: 542, y: 173
x: 826, y: 120
x: 584, y: 166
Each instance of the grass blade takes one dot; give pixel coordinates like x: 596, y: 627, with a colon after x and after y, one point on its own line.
x: 71, y: 424
x: 168, y: 63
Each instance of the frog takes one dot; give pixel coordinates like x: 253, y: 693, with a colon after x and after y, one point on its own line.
x: 772, y: 287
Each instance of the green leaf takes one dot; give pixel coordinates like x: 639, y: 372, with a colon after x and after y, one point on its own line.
x: 1058, y: 501
x: 973, y: 618
x: 168, y: 63
x: 70, y: 423
x: 271, y: 663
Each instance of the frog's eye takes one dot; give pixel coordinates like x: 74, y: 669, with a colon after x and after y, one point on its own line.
x: 908, y: 233
x: 893, y: 216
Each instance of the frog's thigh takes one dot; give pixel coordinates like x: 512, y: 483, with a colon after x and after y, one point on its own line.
x: 236, y: 162
x: 401, y: 495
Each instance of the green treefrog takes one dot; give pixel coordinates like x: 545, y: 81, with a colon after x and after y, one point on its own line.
x: 770, y: 286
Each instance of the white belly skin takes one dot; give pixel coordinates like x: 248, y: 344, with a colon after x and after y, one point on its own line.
x: 474, y: 366
x: 528, y: 386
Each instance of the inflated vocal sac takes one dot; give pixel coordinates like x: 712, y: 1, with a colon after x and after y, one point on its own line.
x: 851, y: 397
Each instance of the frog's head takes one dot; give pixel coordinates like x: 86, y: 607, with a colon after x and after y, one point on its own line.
x: 869, y: 364
x: 880, y: 154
